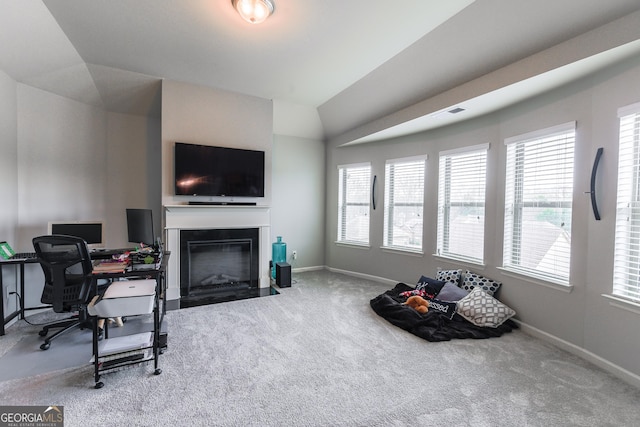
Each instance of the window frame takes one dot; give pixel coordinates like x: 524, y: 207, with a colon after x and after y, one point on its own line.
x: 626, y: 259
x: 344, y: 204
x: 514, y: 201
x: 445, y: 205
x: 390, y: 204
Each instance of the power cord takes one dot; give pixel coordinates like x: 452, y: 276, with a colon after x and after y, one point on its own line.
x: 19, y: 300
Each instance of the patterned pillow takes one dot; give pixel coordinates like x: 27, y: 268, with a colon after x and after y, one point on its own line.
x: 482, y: 309
x: 430, y: 286
x: 473, y: 280
x: 452, y: 276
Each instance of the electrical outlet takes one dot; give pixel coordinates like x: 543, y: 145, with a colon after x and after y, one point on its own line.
x: 294, y: 254
x: 8, y: 293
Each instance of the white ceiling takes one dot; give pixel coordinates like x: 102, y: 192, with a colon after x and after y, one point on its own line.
x: 354, y: 62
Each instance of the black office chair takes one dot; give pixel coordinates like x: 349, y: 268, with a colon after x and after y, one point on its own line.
x: 67, y: 271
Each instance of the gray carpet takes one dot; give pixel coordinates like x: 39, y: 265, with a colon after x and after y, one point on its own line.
x: 317, y: 355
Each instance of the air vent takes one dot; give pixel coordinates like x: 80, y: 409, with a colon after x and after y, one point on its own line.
x: 456, y: 110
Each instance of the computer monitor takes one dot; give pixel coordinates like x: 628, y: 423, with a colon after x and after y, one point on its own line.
x: 90, y: 231
x: 140, y: 226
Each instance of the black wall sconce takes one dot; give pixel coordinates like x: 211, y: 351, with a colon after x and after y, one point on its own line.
x: 594, y: 172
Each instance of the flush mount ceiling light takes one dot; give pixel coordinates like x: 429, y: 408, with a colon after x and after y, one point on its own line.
x: 254, y: 11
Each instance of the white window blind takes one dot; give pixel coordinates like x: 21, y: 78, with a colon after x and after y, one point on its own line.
x: 404, y: 203
x: 354, y: 195
x: 461, y: 202
x: 538, y: 203
x: 626, y: 270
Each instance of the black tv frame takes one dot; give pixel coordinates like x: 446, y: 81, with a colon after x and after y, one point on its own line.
x: 215, y: 171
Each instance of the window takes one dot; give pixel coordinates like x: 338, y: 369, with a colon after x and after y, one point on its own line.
x: 354, y: 195
x: 461, y: 194
x: 404, y: 203
x: 538, y: 200
x: 626, y: 261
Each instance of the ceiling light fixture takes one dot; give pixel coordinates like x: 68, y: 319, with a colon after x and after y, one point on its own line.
x: 254, y: 11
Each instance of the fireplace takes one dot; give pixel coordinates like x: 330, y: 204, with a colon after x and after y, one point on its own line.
x: 218, y: 253
x: 217, y: 263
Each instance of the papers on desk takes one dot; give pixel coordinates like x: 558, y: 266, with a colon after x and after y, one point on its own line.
x: 133, y: 261
x: 110, y: 266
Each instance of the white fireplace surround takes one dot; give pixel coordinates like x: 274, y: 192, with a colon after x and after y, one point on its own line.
x: 205, y: 217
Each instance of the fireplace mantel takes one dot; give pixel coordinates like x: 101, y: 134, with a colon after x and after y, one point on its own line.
x: 194, y: 217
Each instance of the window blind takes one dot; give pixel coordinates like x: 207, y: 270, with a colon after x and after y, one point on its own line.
x: 538, y: 203
x: 461, y: 203
x: 404, y: 203
x: 626, y: 264
x: 354, y: 195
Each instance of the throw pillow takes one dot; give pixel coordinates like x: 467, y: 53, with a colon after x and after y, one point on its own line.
x: 430, y: 286
x: 451, y: 293
x: 452, y: 276
x: 482, y: 309
x: 473, y: 280
x: 444, y: 307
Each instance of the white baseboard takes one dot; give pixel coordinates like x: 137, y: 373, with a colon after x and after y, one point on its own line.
x: 305, y: 269
x: 364, y: 276
x: 600, y: 362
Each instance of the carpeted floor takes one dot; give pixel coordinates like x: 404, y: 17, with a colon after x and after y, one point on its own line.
x: 317, y: 355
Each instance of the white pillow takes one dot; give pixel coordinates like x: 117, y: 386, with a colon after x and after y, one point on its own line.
x: 482, y: 309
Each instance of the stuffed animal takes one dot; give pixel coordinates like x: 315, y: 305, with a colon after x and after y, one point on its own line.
x: 418, y: 303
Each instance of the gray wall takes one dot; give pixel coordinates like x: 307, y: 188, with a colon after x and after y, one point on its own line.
x: 297, y: 209
x: 581, y: 320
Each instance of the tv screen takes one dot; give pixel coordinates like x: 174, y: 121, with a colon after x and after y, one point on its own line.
x: 204, y: 170
x: 140, y: 226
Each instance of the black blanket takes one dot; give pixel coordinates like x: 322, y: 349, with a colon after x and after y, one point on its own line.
x: 433, y: 325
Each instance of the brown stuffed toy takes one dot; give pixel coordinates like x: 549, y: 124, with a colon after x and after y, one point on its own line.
x: 418, y: 303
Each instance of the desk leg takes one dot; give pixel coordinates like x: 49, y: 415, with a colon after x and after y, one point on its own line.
x: 18, y: 312
x: 21, y: 290
x: 1, y: 304
x: 96, y: 364
x: 156, y: 327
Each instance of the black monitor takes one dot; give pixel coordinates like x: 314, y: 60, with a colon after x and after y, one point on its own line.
x: 140, y: 226
x: 89, y: 231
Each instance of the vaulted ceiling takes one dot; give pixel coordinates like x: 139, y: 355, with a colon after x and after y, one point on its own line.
x: 357, y: 63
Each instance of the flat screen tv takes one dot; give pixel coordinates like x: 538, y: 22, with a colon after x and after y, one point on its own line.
x: 205, y: 170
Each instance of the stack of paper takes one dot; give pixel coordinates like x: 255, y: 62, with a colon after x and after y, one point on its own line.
x: 110, y: 266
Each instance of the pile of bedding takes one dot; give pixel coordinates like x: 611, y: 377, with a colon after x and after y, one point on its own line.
x: 460, y: 306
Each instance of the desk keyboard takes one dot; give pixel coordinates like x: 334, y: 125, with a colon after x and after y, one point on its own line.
x: 24, y: 255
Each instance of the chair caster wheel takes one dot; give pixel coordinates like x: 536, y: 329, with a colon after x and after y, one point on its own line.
x: 45, y: 346
x: 43, y: 333
x: 157, y: 371
x: 99, y: 384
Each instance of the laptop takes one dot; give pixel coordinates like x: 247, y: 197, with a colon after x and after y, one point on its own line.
x: 7, y: 252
